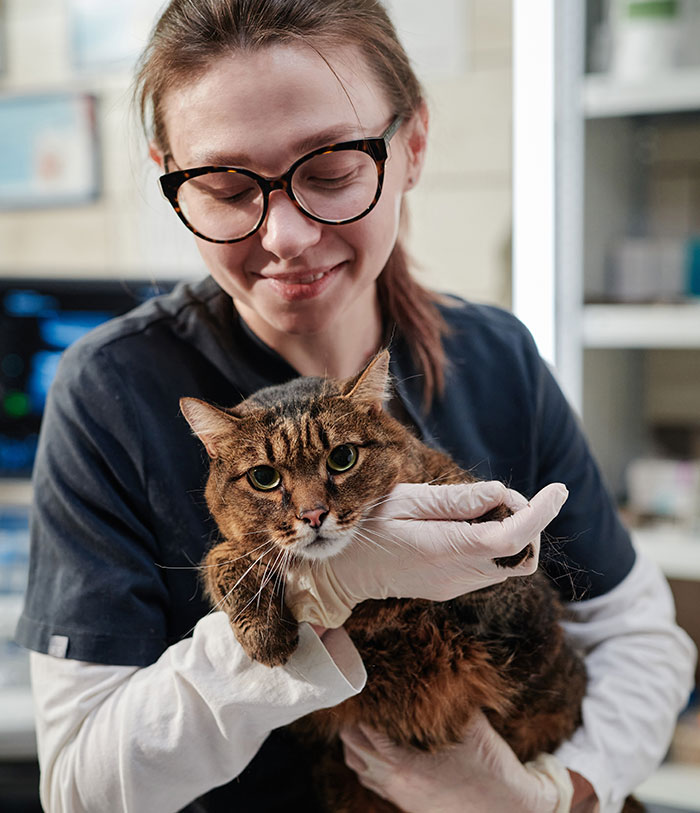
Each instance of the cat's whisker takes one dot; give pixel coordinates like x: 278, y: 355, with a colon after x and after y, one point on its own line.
x: 267, y: 579
x: 208, y: 567
x: 390, y: 496
x: 373, y: 542
x: 386, y: 498
x: 365, y: 542
x: 256, y: 597
x: 369, y: 525
x: 257, y: 561
x: 225, y: 598
x: 282, y: 576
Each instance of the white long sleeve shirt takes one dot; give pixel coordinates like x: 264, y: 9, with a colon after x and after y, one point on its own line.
x: 118, y: 738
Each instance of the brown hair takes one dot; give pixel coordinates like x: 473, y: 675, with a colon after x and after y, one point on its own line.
x: 191, y: 34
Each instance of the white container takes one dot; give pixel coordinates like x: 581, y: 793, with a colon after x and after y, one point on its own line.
x: 644, y: 46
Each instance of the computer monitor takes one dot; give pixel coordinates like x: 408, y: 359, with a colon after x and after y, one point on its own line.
x: 39, y: 318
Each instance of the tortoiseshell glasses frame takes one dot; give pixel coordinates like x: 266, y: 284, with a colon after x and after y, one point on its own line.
x: 376, y: 148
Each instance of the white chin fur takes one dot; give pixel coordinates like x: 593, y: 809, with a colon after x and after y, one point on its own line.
x: 330, y: 544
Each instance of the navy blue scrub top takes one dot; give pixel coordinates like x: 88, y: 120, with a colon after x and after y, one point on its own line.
x: 119, y: 477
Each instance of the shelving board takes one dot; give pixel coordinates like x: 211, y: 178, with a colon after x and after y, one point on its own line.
x: 642, y: 326
x: 676, y: 552
x: 673, y: 784
x: 605, y: 96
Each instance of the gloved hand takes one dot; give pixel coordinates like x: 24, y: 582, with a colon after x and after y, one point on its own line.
x: 479, y: 775
x: 403, y: 554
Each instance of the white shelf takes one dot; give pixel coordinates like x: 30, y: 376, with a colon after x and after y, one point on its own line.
x: 673, y: 784
x: 676, y: 552
x: 605, y: 96
x: 642, y: 326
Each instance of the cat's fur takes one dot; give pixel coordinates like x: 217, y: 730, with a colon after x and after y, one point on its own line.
x: 430, y: 665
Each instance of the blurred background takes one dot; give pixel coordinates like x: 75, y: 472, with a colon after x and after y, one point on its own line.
x: 563, y: 181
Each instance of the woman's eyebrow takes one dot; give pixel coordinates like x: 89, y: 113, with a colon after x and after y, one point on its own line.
x: 334, y: 135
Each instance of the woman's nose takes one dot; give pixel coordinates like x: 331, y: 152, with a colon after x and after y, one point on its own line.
x: 287, y: 232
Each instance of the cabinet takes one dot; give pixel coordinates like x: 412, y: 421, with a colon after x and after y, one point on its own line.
x: 596, y: 146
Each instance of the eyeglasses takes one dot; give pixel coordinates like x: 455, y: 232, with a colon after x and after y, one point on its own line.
x: 336, y: 184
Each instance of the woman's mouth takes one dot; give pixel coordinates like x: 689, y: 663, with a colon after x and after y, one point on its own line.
x: 295, y: 286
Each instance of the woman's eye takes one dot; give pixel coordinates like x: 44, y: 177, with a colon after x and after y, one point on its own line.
x: 342, y: 457
x: 264, y: 478
x: 332, y: 182
x: 239, y: 197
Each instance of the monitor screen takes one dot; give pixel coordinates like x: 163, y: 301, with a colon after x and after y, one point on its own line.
x: 39, y: 318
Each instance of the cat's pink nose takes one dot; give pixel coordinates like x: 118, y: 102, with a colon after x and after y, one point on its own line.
x: 314, y: 516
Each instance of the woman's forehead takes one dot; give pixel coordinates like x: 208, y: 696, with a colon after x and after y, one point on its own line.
x: 273, y: 105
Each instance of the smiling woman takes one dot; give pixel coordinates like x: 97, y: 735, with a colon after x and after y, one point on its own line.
x: 288, y: 132
x: 301, y: 271
x: 315, y: 87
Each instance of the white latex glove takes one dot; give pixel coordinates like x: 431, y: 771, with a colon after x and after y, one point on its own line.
x: 418, y: 545
x: 479, y: 775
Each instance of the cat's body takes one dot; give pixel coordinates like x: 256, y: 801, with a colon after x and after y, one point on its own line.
x: 429, y: 665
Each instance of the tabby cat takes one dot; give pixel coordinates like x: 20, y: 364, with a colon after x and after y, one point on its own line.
x: 295, y: 469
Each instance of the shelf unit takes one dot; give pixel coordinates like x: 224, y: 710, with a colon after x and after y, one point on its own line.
x: 642, y: 326
x: 676, y: 552
x: 589, y: 153
x: 604, y: 97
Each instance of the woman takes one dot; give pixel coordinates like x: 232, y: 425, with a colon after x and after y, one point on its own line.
x: 131, y: 713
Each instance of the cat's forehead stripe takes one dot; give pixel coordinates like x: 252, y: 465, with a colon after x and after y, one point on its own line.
x: 322, y: 436
x: 307, y: 430
x: 286, y: 440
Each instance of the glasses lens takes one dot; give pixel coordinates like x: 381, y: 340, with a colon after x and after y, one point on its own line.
x: 221, y: 205
x: 336, y: 185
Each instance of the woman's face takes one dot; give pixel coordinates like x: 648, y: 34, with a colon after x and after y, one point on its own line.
x: 263, y: 110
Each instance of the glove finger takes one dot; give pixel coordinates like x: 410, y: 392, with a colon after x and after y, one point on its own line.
x: 379, y: 741
x: 487, y: 540
x: 515, y: 500
x: 528, y: 566
x: 462, y: 501
x: 356, y: 739
x: 353, y: 759
x: 510, y: 535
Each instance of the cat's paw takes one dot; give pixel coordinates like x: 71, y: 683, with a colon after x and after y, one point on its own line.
x: 517, y: 558
x: 271, y: 647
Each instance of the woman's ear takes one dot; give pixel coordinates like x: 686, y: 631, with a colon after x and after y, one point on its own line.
x: 416, y: 143
x: 156, y: 155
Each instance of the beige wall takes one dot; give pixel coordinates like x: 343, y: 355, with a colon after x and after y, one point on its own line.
x: 460, y: 212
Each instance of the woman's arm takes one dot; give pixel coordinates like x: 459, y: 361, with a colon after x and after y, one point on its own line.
x: 640, y: 670
x: 122, y: 738
x: 640, y: 666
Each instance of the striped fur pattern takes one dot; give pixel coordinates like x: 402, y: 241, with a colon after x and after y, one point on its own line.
x: 430, y: 665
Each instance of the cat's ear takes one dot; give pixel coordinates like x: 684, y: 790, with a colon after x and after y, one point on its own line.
x: 372, y: 384
x: 211, y: 425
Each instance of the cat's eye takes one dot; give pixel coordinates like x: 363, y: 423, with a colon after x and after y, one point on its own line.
x: 342, y: 458
x: 264, y: 478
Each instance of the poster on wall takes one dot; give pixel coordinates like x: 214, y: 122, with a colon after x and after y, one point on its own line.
x: 48, y: 150
x: 109, y: 35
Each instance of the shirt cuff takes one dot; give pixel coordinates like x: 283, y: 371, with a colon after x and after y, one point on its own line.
x: 344, y: 655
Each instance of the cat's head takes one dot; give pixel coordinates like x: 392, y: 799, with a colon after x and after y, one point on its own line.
x: 301, y: 464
